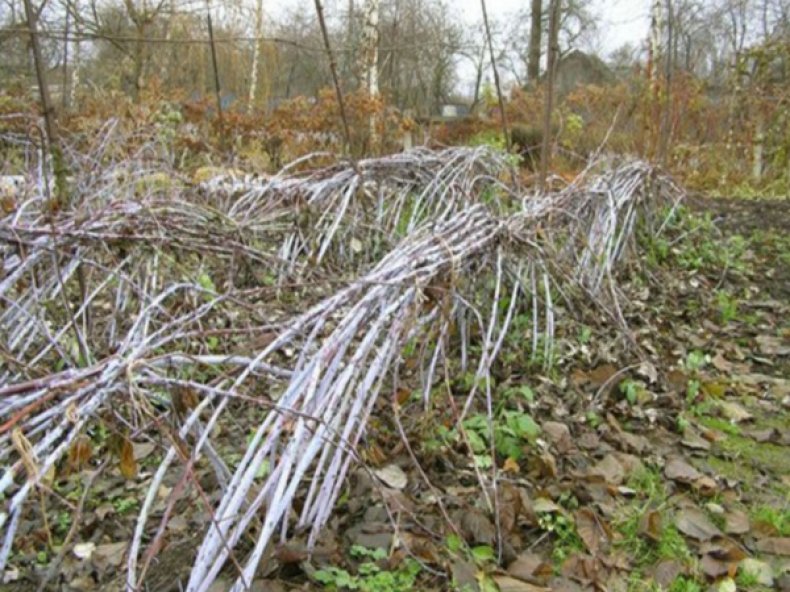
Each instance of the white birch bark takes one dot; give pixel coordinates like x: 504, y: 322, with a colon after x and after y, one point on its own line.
x: 371, y: 37
x: 758, y: 148
x: 656, y: 28
x: 256, y: 51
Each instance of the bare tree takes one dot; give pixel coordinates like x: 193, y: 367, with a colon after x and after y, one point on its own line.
x: 551, y: 68
x: 500, y: 97
x: 256, y: 52
x: 50, y: 124
x: 371, y: 45
x: 535, y: 32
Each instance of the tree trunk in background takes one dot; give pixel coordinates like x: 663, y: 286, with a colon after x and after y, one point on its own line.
x: 666, y: 103
x: 656, y: 26
x: 371, y: 38
x: 76, y: 62
x: 139, y: 62
x: 64, y: 91
x: 551, y: 68
x: 256, y: 51
x: 348, y: 67
x: 50, y: 124
x: 500, y: 96
x: 319, y: 9
x: 215, y: 68
x: 758, y: 147
x: 535, y: 30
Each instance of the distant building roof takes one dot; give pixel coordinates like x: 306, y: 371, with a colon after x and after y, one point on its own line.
x: 579, y: 68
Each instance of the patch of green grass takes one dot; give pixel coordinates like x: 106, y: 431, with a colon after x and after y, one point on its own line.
x: 720, y: 424
x: 743, y: 459
x: 645, y: 551
x: 649, y: 483
x: 685, y: 584
x: 779, y: 520
x: 746, y: 579
x: 728, y: 306
x: 769, y: 457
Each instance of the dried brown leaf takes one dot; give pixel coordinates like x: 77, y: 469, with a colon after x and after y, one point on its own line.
x: 650, y: 525
x: 773, y: 545
x: 666, y: 572
x: 593, y: 531
x: 678, y: 469
x: 609, y: 469
x: 508, y: 584
x: 531, y: 567
x: 694, y: 523
x: 80, y: 453
x: 477, y: 527
x: 736, y: 522
x: 558, y: 435
x: 127, y: 463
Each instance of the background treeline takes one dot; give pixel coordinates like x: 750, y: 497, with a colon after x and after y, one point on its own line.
x: 707, y: 92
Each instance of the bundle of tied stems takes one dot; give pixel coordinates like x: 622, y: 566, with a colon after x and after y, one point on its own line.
x: 288, y: 299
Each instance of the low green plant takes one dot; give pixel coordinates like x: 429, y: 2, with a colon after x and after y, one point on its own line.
x: 728, y: 306
x: 692, y: 243
x: 630, y: 390
x: 649, y: 483
x: 369, y: 576
x: 593, y: 419
x: 62, y: 522
x: 685, y: 584
x: 511, y: 430
x: 122, y: 505
x: 566, y: 540
x: 696, y: 360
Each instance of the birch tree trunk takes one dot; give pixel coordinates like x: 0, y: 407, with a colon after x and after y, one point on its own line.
x: 256, y: 52
x: 64, y: 91
x: 76, y: 62
x: 666, y: 103
x: 656, y: 27
x: 758, y: 147
x: 371, y: 37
